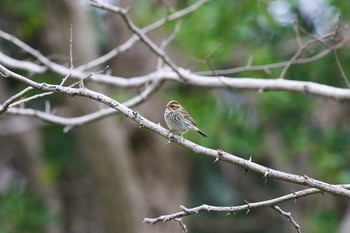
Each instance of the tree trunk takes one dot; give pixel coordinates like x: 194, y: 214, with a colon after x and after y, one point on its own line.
x: 119, y: 206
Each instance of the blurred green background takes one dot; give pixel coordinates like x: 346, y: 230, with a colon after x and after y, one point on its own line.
x: 109, y: 175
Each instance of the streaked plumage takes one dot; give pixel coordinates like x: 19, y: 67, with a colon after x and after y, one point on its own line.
x: 178, y: 119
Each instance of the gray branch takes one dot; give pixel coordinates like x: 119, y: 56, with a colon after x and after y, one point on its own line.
x: 246, y: 207
x: 288, y: 216
x: 157, y: 128
x: 70, y: 123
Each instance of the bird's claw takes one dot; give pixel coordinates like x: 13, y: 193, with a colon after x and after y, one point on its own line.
x: 170, y: 132
x: 171, y: 137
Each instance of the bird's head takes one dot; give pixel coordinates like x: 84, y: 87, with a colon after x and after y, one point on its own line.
x: 173, y: 105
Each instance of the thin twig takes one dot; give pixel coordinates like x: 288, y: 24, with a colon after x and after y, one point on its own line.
x: 183, y: 226
x: 169, y: 8
x: 207, y: 58
x: 26, y: 100
x: 337, y: 60
x: 70, y: 56
x: 139, y: 32
x: 297, y: 32
x: 341, y: 69
x: 333, y: 49
x: 24, y: 46
x: 288, y: 216
x: 295, y: 57
x: 279, y: 64
x: 134, y: 38
x: 168, y: 40
x: 8, y: 102
x: 37, y: 96
x: 337, y: 29
x: 70, y: 123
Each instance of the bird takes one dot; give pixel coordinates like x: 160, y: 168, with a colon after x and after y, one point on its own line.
x: 177, y: 119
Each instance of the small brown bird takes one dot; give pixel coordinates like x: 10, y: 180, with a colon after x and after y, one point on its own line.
x: 178, y: 119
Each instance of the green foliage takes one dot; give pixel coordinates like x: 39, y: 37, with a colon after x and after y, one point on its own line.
x: 146, y: 13
x: 216, y: 25
x: 241, y: 122
x: 60, y: 153
x: 207, y: 185
x: 29, y: 15
x: 323, y: 222
x: 22, y: 212
x: 330, y: 155
x: 226, y: 120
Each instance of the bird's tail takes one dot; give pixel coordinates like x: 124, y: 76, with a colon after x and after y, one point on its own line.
x: 202, y: 133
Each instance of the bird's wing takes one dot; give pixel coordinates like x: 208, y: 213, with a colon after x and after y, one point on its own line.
x: 188, y: 117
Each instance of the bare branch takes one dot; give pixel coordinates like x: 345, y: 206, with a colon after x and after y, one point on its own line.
x: 341, y: 69
x: 302, y: 49
x: 19, y: 64
x: 70, y: 123
x: 147, y: 41
x: 25, y: 100
x: 134, y: 38
x: 24, y: 46
x: 266, y: 85
x: 232, y: 209
x: 145, y: 123
x: 20, y: 94
x: 168, y: 40
x: 333, y: 49
x: 337, y: 60
x: 279, y: 64
x: 70, y: 56
x: 75, y: 73
x: 200, y: 80
x: 294, y: 58
x: 288, y: 216
x: 183, y: 226
x: 207, y: 58
x: 297, y: 32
